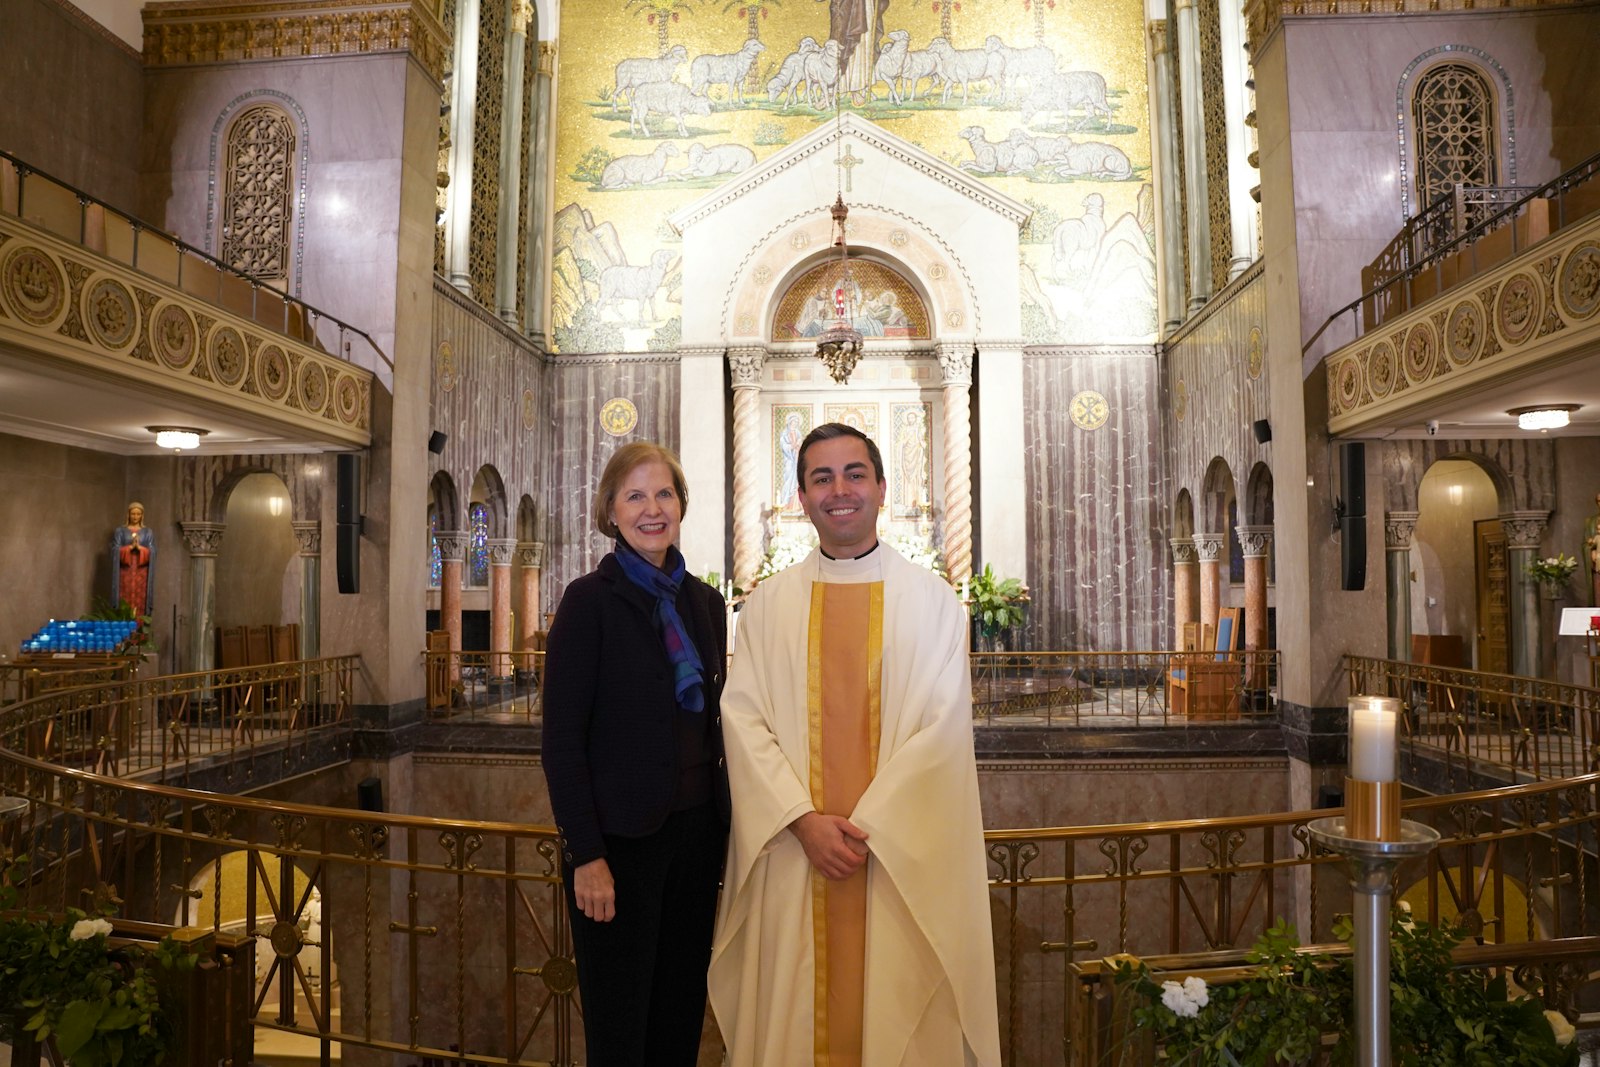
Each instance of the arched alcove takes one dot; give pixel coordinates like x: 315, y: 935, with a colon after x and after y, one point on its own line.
x: 1457, y: 554
x: 258, y: 581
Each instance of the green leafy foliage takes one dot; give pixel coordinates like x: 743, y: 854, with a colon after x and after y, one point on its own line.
x: 1440, y: 1015
x: 997, y: 603
x: 591, y: 165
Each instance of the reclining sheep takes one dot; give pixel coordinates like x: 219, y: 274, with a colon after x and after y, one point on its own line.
x: 632, y: 73
x: 638, y: 170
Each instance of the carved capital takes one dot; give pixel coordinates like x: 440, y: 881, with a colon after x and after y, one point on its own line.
x: 500, y: 550
x: 546, y: 63
x: 521, y: 15
x: 1256, y: 541
x: 955, y: 363
x: 1524, y: 529
x: 1183, y: 551
x: 202, y: 539
x: 1209, y: 546
x: 745, y: 366
x: 308, y: 535
x: 452, y: 545
x: 1158, y: 36
x: 530, y: 554
x: 1398, y: 526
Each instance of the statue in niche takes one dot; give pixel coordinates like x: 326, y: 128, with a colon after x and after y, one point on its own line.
x: 133, y: 557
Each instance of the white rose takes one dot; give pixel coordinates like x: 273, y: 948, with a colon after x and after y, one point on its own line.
x: 1177, y: 1001
x: 84, y: 929
x: 1194, y: 988
x: 1564, y: 1030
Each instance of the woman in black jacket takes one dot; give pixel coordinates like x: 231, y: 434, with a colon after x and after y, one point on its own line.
x: 633, y: 758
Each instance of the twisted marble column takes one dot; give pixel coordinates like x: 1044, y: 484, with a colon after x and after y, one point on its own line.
x: 1398, y: 526
x: 955, y: 362
x: 452, y: 551
x: 1209, y: 548
x: 748, y: 468
x: 1185, y: 587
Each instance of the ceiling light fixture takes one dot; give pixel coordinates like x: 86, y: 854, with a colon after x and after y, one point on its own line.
x: 177, y: 438
x: 1544, y: 416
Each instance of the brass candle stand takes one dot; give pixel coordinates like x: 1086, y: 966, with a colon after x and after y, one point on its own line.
x: 1373, y: 840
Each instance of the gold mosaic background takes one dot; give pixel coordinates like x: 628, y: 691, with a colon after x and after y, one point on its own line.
x: 1088, y: 270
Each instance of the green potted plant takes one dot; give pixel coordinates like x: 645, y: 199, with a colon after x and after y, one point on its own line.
x: 1440, y: 1015
x: 998, y: 605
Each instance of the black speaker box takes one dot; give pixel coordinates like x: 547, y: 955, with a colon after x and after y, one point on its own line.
x: 1353, y: 477
x: 1263, y: 431
x: 436, y: 441
x: 347, y: 556
x: 349, y: 487
x: 1353, y: 553
x: 369, y: 794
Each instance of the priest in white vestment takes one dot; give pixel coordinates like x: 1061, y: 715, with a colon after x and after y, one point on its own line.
x: 854, y: 926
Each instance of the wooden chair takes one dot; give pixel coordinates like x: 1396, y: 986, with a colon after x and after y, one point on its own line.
x: 1205, y: 682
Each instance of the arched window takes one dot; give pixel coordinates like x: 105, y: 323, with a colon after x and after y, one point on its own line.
x: 1453, y: 116
x: 478, y: 546
x: 257, y: 205
x: 435, y: 558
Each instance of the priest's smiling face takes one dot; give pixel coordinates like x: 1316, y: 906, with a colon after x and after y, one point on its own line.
x: 842, y: 495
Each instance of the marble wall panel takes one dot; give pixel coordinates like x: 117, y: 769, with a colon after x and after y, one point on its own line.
x: 581, y: 443
x: 1098, y: 501
x: 84, y: 130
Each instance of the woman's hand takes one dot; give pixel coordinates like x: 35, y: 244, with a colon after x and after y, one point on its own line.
x: 594, y: 890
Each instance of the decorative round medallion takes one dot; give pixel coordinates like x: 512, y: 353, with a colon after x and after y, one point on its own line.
x: 272, y: 372
x: 286, y: 938
x: 1517, y: 310
x: 937, y: 272
x: 1253, y: 354
x: 618, y: 416
x: 1180, y: 400
x: 560, y: 975
x: 445, y: 367
x: 1381, y: 369
x: 1089, y: 410
x: 1579, y: 281
x: 313, y: 386
x: 898, y: 238
x: 347, y: 398
x: 172, y: 335
x: 225, y: 355
x: 954, y: 318
x: 109, y: 310
x: 800, y: 240
x: 34, y: 286
x: 763, y: 274
x: 1420, y: 355
x: 1464, y: 333
x: 528, y: 411
x: 1347, y: 385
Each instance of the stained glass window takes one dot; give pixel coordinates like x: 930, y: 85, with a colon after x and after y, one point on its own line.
x: 478, y: 550
x: 435, y: 559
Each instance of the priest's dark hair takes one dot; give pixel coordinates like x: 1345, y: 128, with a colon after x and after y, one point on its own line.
x: 827, y: 432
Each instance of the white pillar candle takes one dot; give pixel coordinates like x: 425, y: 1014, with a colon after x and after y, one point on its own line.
x: 1374, y: 723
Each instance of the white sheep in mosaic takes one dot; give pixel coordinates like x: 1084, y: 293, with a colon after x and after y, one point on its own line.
x: 1094, y: 159
x: 638, y: 170
x: 632, y: 73
x: 1069, y: 91
x: 1076, y: 241
x: 966, y: 65
x: 822, y: 74
x: 665, y: 98
x: 791, y: 76
x: 638, y: 284
x: 890, y: 67
x: 706, y: 162
x: 729, y: 70
x: 997, y: 157
x: 1036, y: 63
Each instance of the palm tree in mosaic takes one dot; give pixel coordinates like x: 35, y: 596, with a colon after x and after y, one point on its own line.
x: 947, y: 10
x: 754, y: 13
x: 659, y: 13
x: 1038, y: 8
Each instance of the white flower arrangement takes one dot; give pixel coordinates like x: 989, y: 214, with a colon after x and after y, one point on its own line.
x: 785, y: 550
x: 1186, y: 1000
x: 1564, y: 1030
x: 1553, y: 571
x: 84, y: 929
x: 918, y: 551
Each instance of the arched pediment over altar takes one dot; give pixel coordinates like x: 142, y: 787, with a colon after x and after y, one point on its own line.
x: 946, y: 233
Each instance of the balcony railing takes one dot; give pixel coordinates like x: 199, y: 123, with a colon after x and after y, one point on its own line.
x: 73, y: 215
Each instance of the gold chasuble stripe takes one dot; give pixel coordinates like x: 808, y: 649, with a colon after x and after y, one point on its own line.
x: 845, y: 659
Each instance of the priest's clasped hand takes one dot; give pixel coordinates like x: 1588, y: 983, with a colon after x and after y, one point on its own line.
x: 834, y: 845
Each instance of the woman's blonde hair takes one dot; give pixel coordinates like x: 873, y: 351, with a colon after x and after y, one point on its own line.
x: 621, y: 464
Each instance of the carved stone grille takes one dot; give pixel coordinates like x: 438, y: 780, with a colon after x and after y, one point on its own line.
x: 488, y: 116
x: 1219, y: 210
x: 257, y: 210
x: 1180, y: 171
x: 442, y: 177
x: 524, y: 170
x: 1453, y: 110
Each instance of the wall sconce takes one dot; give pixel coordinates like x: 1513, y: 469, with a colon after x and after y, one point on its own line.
x: 275, y: 505
x: 1456, y: 492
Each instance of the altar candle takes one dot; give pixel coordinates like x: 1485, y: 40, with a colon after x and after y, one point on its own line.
x: 1373, y: 733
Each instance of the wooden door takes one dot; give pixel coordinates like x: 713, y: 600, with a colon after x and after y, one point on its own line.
x: 1493, y: 587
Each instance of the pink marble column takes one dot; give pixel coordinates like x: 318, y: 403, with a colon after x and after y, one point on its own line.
x: 1209, y: 548
x: 1185, y: 587
x: 452, y: 551
x: 531, y: 555
x: 955, y: 364
x: 500, y: 550
x: 1256, y: 541
x: 749, y: 466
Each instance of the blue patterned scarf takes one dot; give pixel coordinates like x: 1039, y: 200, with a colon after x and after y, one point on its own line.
x: 687, y: 680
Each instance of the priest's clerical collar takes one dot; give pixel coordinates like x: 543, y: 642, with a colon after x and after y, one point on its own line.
x: 863, y: 555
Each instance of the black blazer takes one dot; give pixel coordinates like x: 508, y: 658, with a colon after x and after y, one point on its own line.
x: 610, y: 747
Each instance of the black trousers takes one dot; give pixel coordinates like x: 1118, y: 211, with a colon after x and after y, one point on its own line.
x: 642, y: 976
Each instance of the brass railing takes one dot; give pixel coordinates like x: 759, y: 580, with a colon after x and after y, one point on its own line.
x: 167, y: 728
x: 1475, y: 722
x: 20, y: 680
x: 497, y: 686
x: 1113, y: 689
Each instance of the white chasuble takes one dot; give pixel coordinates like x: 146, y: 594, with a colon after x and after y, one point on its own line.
x: 857, y: 702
